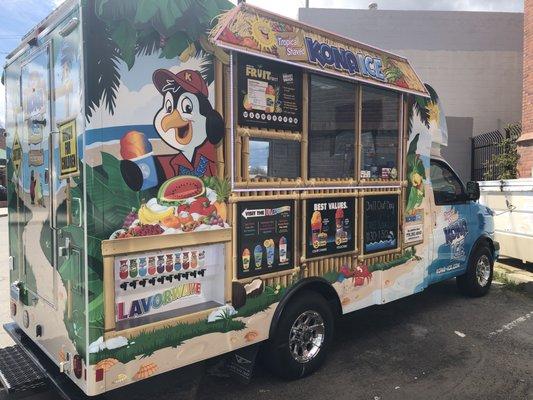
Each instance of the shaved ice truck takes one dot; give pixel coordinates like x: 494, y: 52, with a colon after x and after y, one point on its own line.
x: 188, y: 180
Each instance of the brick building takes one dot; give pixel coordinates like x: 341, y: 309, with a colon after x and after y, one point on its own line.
x: 525, y: 143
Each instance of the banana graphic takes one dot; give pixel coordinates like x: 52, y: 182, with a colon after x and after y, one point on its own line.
x: 149, y: 217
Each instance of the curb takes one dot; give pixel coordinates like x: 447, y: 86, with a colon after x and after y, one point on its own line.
x: 516, y: 276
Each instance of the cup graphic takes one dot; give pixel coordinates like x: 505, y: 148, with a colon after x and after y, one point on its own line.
x: 151, y: 266
x: 177, y: 261
x: 269, y: 246
x: 258, y: 256
x: 143, y: 270
x: 201, y: 259
x: 316, y: 226
x: 246, y: 259
x: 283, y: 250
x: 194, y: 259
x: 123, y: 271
x: 160, y: 264
x: 133, y: 268
x: 186, y: 260
x: 169, y: 265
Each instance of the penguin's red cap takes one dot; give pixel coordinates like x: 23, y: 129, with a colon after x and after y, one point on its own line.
x: 188, y: 79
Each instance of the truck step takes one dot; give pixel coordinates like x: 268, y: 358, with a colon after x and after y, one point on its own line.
x: 18, y: 373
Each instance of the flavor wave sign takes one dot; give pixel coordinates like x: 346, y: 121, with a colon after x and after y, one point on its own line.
x: 253, y: 30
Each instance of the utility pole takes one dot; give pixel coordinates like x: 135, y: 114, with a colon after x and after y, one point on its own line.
x: 306, y: 3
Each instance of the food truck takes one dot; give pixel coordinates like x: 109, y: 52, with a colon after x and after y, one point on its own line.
x: 187, y: 179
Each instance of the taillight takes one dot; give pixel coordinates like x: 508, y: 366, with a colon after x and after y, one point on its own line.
x: 77, y: 366
x: 13, y: 308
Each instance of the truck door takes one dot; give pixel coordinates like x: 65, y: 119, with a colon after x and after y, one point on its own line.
x: 453, y: 227
x: 38, y: 238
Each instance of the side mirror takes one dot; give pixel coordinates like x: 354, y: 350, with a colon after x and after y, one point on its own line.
x: 472, y: 190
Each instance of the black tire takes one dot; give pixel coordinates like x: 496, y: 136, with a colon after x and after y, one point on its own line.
x: 278, y: 352
x: 474, y: 283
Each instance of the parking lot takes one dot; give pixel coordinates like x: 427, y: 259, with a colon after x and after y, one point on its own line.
x: 434, y: 345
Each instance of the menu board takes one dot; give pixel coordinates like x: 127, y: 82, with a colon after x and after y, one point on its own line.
x: 380, y: 226
x: 330, y: 226
x: 265, y: 237
x: 270, y: 94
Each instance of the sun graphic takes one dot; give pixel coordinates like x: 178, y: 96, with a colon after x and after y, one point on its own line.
x: 263, y: 34
x: 433, y: 111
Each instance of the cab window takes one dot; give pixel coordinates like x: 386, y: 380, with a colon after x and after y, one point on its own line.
x: 447, y: 187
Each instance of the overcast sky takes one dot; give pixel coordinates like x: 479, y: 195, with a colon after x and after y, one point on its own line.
x: 17, y: 17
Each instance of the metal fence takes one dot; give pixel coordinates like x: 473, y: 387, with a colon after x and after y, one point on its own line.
x: 485, y: 147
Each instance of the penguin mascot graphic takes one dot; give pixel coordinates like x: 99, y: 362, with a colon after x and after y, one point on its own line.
x: 186, y: 122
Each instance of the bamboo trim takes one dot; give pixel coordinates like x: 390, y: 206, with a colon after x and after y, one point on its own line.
x: 109, y: 293
x: 245, y: 158
x: 317, y: 182
x: 274, y: 184
x: 268, y: 134
x: 230, y: 165
x: 305, y: 196
x: 397, y: 191
x: 304, y: 143
x: 160, y: 242
x: 331, y: 257
x: 234, y: 263
x: 380, y: 182
x: 271, y: 275
x: 396, y: 250
x: 237, y: 199
x: 219, y: 106
x: 358, y: 131
x: 151, y: 327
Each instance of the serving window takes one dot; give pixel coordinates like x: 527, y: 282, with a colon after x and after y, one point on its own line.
x: 274, y: 158
x: 332, y: 128
x: 298, y: 129
x: 380, y: 134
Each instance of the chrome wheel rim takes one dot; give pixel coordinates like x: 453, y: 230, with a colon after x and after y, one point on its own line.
x: 483, y: 270
x: 306, y: 336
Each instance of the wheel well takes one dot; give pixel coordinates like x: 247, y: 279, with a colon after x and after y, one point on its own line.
x: 314, y: 284
x: 484, y: 241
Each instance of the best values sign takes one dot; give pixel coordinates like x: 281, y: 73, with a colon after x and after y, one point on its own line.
x: 330, y: 226
x: 265, y: 237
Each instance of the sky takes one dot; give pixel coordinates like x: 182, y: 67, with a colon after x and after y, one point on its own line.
x: 17, y: 17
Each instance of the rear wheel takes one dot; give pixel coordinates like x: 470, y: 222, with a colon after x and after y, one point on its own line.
x: 302, y: 338
x: 478, y: 277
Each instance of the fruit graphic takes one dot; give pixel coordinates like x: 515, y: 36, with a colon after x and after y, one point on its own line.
x: 246, y: 103
x: 171, y: 222
x: 202, y: 206
x: 147, y: 215
x: 180, y: 188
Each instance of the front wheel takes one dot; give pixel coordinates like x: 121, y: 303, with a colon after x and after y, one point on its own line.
x: 478, y: 277
x: 304, y: 333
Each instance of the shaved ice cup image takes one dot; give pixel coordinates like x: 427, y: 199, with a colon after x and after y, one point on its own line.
x: 258, y: 256
x: 246, y: 259
x: 282, y: 250
x: 134, y: 146
x: 269, y: 246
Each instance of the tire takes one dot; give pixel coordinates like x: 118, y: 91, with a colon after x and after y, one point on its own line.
x: 478, y: 277
x: 306, y: 351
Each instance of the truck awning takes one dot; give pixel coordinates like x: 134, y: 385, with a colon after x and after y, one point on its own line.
x: 256, y: 31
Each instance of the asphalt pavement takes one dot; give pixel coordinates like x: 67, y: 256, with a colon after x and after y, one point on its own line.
x: 433, y: 345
